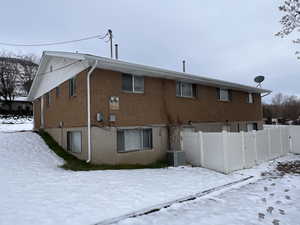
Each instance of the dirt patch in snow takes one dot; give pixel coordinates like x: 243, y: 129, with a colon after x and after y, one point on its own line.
x: 292, y: 167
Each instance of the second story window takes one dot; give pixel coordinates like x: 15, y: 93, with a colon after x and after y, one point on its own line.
x: 250, y: 98
x: 48, y: 100
x: 57, y: 91
x: 224, y: 94
x: 72, y: 87
x: 184, y: 89
x: 132, y: 83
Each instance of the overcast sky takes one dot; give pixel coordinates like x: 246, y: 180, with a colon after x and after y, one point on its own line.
x: 230, y: 40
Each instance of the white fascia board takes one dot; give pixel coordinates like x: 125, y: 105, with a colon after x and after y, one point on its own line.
x: 65, y: 55
x: 62, y: 69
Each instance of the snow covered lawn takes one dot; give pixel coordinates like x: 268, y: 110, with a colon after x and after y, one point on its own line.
x: 35, y: 191
x: 269, y: 200
x: 15, y: 124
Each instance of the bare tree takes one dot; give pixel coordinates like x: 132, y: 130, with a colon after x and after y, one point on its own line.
x: 8, y: 79
x: 291, y: 20
x: 282, y: 106
x: 30, y: 67
x: 16, y: 75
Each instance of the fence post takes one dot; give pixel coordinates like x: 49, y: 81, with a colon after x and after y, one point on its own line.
x: 243, y: 148
x: 225, y: 157
x: 290, y: 139
x: 281, y: 145
x: 255, y: 147
x: 201, y: 148
x: 269, y: 143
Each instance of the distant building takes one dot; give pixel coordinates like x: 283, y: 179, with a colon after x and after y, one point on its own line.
x: 20, y: 105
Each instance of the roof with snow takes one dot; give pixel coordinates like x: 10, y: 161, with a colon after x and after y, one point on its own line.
x: 57, y: 67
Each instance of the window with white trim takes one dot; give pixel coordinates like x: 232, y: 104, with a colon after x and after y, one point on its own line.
x: 224, y: 94
x: 74, y: 141
x: 48, y: 100
x: 250, y: 98
x: 252, y: 126
x: 57, y: 91
x: 184, y: 89
x: 134, y: 139
x: 72, y: 87
x: 132, y: 83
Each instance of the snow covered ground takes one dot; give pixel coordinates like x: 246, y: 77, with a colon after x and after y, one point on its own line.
x: 34, y: 190
x: 15, y: 124
x: 269, y: 200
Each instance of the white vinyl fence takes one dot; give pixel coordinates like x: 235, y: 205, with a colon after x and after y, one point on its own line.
x: 295, y: 139
x: 226, y: 152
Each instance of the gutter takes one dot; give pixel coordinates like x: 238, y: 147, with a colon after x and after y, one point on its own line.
x: 89, y: 110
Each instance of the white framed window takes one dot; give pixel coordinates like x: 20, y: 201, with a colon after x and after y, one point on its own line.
x: 74, y: 141
x: 132, y: 83
x: 72, y: 87
x: 134, y: 139
x: 48, y: 99
x: 184, y: 89
x: 252, y: 126
x: 250, y: 98
x: 224, y: 94
x: 57, y: 91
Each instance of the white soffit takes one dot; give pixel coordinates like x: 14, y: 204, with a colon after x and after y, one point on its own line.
x: 62, y: 70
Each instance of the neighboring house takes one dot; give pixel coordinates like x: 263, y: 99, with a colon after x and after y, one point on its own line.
x: 108, y: 111
x: 19, y: 105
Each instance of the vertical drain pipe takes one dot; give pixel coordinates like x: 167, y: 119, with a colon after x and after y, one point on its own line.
x: 89, y: 110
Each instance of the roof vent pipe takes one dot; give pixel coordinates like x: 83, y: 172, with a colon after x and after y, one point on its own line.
x: 116, y: 51
x: 183, y: 66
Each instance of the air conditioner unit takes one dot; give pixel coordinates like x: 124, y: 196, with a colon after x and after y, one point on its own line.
x: 176, y: 158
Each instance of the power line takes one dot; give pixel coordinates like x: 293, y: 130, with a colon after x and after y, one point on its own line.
x: 56, y: 43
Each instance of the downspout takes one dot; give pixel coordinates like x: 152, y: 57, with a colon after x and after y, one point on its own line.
x: 89, y: 110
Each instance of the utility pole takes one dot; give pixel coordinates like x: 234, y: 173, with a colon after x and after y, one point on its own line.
x: 111, y: 44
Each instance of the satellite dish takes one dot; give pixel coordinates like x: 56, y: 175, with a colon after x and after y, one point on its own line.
x: 259, y: 80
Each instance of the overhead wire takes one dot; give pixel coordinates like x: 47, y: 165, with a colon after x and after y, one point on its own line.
x: 55, y: 43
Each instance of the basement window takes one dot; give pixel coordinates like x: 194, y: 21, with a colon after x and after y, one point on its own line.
x: 252, y: 126
x: 74, y: 141
x: 184, y: 89
x: 131, y: 83
x: 134, y: 139
x: 72, y: 87
x: 250, y: 98
x: 224, y: 94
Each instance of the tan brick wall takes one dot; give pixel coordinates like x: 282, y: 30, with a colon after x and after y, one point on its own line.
x: 157, y: 105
